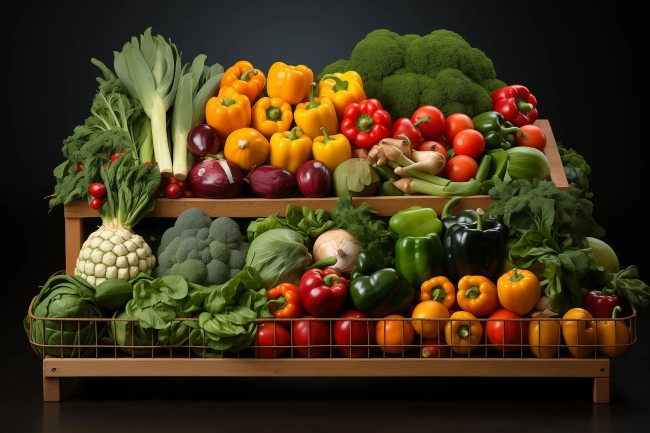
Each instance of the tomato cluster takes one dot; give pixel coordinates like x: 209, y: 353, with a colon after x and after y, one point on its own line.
x: 170, y: 187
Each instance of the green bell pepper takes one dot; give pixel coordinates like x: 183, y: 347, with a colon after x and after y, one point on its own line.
x: 379, y: 255
x: 382, y: 293
x: 475, y: 248
x: 497, y: 131
x: 419, y: 258
x: 414, y: 221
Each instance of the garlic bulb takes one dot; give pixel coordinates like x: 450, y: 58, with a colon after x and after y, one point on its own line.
x: 340, y: 244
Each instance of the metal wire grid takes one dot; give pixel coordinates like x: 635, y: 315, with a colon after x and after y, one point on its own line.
x: 391, y: 350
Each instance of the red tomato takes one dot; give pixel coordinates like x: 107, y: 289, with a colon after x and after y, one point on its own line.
x: 187, y: 194
x: 432, y: 128
x: 434, y: 145
x: 434, y: 348
x: 534, y: 136
x: 96, y: 203
x: 274, y: 337
x: 503, y: 332
x: 394, y: 336
x: 455, y: 123
x: 469, y: 142
x: 461, y: 168
x: 182, y: 184
x: 171, y: 180
x: 172, y: 190
x: 355, y: 333
x: 97, y: 189
x: 311, y: 338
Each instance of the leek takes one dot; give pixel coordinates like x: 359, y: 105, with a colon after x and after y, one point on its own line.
x: 150, y: 68
x: 197, y: 84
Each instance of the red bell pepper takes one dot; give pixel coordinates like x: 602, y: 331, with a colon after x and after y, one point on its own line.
x: 405, y: 126
x: 516, y: 104
x: 365, y: 123
x: 601, y: 303
x: 323, y: 292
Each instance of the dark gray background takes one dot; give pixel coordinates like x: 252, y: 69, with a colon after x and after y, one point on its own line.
x: 587, y: 65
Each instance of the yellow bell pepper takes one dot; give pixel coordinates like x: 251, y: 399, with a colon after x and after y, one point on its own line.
x: 463, y: 336
x: 519, y: 290
x: 439, y: 289
x: 613, y: 336
x: 271, y: 115
x: 544, y: 338
x: 289, y: 149
x: 246, y: 79
x: 247, y: 148
x: 289, y: 82
x: 228, y: 112
x: 478, y: 295
x: 342, y: 89
x: 310, y: 116
x: 331, y: 150
x: 429, y: 309
x: 580, y: 335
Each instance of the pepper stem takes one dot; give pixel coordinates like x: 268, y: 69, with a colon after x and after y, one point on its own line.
x: 524, y: 106
x: 516, y: 276
x: 329, y: 279
x: 505, y: 131
x: 312, y: 100
x: 463, y: 331
x: 227, y: 102
x: 615, y: 311
x: 273, y: 113
x: 473, y: 292
x: 293, y: 134
x: 479, y: 220
x: 438, y: 293
x: 326, y: 136
x: 446, y: 210
x: 338, y: 83
x: 282, y: 302
x: 365, y: 122
x: 408, y: 141
x: 246, y: 75
x: 324, y: 262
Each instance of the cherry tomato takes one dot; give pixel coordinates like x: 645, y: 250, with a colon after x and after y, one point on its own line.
x: 534, y: 136
x: 182, y: 184
x: 274, y: 337
x: 455, y: 123
x: 469, y: 142
x: 438, y: 145
x: 311, y: 338
x: 434, y: 348
x: 504, y: 333
x: 434, y: 127
x: 187, y: 194
x: 79, y: 167
x: 96, y: 203
x: 394, y: 336
x: 461, y: 168
x: 172, y: 190
x: 171, y: 180
x: 97, y: 189
x: 355, y: 333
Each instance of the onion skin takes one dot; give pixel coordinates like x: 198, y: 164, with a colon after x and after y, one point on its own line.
x: 337, y: 243
x: 215, y: 178
x: 271, y: 181
x: 314, y: 179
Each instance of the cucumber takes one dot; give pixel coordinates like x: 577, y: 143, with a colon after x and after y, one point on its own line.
x: 113, y: 294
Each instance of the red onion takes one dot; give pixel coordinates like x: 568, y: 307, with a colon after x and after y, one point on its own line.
x: 314, y: 179
x: 203, y: 140
x: 215, y: 178
x: 271, y: 181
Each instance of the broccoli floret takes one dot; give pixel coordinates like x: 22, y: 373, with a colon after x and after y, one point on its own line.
x: 407, y: 71
x: 207, y: 253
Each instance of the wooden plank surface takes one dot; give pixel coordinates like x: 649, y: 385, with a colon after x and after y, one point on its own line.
x: 340, y: 367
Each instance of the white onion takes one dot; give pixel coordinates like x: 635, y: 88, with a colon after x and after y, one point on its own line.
x: 340, y: 244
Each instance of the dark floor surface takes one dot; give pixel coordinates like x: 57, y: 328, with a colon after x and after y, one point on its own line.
x: 317, y: 405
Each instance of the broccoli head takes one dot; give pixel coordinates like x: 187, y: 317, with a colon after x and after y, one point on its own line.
x: 203, y: 250
x: 405, y: 72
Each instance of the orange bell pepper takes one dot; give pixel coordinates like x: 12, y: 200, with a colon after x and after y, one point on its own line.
x: 342, y: 89
x: 246, y: 79
x: 228, y: 112
x: 478, y: 295
x: 247, y: 148
x: 463, y: 332
x: 429, y: 309
x: 271, y: 115
x: 287, y: 305
x: 544, y: 338
x: 288, y: 82
x: 290, y: 149
x: 310, y: 116
x: 519, y: 290
x: 331, y: 150
x: 613, y: 336
x: 439, y: 289
x: 580, y: 335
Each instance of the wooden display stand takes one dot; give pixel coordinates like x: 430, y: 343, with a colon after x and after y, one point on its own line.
x: 55, y: 368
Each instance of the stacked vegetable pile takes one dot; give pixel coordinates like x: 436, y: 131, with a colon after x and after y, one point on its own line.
x: 160, y: 128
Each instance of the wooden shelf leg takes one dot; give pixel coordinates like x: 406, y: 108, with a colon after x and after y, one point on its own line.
x: 601, y: 390
x: 51, y: 389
